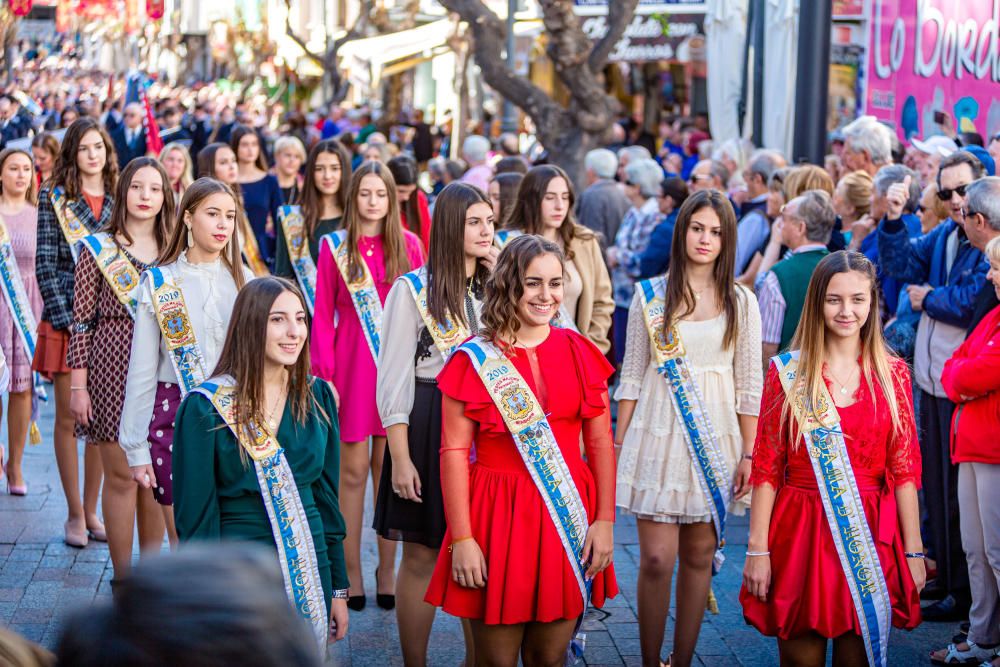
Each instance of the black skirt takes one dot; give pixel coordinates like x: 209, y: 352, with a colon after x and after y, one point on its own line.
x: 405, y: 520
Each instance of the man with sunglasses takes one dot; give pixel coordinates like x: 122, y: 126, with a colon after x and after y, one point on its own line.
x: 945, y: 273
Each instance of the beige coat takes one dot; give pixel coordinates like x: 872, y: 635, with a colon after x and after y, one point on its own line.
x: 596, y: 304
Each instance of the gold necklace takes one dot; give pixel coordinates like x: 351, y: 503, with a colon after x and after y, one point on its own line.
x: 271, y: 422
x: 843, y: 387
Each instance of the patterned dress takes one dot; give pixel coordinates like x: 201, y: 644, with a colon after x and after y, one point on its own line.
x: 101, y: 341
x: 22, y: 229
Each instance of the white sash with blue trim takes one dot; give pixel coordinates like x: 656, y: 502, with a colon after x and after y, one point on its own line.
x: 14, y: 293
x: 364, y: 296
x: 824, y: 439
x: 73, y: 230
x: 689, y: 405
x: 175, y: 327
x: 122, y: 276
x: 538, y: 448
x: 289, y: 523
x: 294, y: 228
x: 447, y: 335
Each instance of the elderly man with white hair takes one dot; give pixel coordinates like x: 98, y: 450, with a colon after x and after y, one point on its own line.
x: 867, y: 145
x: 129, y: 138
x: 642, y: 186
x: 603, y: 204
x: 475, y: 152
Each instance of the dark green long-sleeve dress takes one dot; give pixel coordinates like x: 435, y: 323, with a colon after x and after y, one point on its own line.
x: 283, y: 263
x: 216, y: 494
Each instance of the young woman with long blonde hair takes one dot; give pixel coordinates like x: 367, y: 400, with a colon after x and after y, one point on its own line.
x: 357, y: 266
x: 835, y: 551
x: 185, y: 303
x: 19, y: 216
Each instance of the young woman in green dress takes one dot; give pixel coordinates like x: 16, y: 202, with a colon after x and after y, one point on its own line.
x: 287, y: 421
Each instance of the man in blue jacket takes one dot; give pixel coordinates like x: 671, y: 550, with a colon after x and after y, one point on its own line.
x: 945, y: 273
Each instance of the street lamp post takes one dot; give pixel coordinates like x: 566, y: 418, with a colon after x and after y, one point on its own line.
x: 509, y: 122
x: 812, y: 82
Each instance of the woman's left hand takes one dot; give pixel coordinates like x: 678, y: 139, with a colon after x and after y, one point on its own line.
x: 599, y: 547
x: 918, y: 570
x: 338, y: 619
x: 741, y: 483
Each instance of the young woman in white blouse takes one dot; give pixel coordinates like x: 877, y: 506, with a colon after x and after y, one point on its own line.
x: 185, y: 303
x: 428, y: 313
x: 693, y: 350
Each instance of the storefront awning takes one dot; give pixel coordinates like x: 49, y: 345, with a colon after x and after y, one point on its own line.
x: 367, y: 60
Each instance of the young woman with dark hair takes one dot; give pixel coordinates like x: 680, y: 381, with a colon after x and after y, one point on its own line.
x: 414, y: 211
x: 261, y: 192
x: 835, y: 551
x: 44, y: 151
x: 544, y: 206
x: 428, y: 313
x: 262, y: 433
x: 22, y: 305
x: 357, y: 266
x: 73, y: 204
x: 184, y: 308
x: 693, y: 348
x: 318, y: 212
x: 105, y: 300
x: 218, y: 161
x: 522, y: 571
x: 503, y: 194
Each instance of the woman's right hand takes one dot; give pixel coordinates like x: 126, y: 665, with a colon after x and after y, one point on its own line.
x: 80, y: 407
x: 757, y: 576
x: 406, y: 480
x: 468, y: 566
x: 144, y: 476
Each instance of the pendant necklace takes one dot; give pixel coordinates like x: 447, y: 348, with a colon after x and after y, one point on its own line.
x: 843, y: 387
x: 371, y: 248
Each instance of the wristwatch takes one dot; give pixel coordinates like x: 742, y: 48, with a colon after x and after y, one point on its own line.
x: 340, y: 594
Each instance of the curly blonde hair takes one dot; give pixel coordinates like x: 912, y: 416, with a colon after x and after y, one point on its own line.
x: 505, y: 287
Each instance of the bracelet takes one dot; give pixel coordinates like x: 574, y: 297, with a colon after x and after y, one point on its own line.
x: 341, y: 594
x: 77, y: 388
x: 758, y: 553
x: 747, y: 457
x: 914, y: 554
x: 456, y: 541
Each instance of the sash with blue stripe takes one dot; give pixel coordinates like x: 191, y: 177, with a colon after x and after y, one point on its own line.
x: 294, y: 228
x: 73, y: 230
x: 447, y: 335
x: 287, y: 515
x: 122, y: 276
x: 689, y: 405
x: 364, y: 296
x: 502, y: 236
x: 538, y: 448
x: 824, y: 439
x: 175, y: 327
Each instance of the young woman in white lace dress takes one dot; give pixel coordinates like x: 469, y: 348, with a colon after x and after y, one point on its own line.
x: 719, y: 325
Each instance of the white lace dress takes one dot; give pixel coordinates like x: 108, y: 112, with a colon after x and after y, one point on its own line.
x: 656, y: 476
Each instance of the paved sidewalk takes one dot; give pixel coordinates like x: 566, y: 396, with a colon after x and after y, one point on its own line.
x: 41, y: 578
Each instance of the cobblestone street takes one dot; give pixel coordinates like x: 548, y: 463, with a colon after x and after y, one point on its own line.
x: 41, y: 578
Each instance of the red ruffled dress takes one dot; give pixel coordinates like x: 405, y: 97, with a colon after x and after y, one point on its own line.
x: 528, y: 576
x: 809, y: 592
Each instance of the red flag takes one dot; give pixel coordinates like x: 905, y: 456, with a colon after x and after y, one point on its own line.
x: 154, y: 9
x: 154, y: 144
x: 20, y: 7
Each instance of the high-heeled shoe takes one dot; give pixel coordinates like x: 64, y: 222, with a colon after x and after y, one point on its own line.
x: 75, y: 537
x: 356, y: 602
x: 383, y: 600
x: 12, y: 489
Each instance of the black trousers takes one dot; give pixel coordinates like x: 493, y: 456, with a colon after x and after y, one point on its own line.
x: 940, y: 481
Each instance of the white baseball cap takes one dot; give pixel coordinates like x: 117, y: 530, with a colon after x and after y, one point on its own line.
x: 937, y: 144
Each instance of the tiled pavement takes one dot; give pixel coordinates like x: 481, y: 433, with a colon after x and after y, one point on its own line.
x: 40, y: 578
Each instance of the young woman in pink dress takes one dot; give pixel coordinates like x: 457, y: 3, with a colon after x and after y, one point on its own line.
x: 374, y: 250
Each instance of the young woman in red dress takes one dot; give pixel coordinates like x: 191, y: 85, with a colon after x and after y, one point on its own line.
x: 794, y: 587
x: 505, y: 567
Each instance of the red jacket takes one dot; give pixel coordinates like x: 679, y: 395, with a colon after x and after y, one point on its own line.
x: 972, y: 379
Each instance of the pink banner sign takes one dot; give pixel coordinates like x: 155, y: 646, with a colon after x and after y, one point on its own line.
x: 927, y: 56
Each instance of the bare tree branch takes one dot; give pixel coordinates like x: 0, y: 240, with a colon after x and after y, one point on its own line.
x: 620, y: 13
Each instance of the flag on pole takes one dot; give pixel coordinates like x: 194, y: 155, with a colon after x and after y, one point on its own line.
x: 135, y: 91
